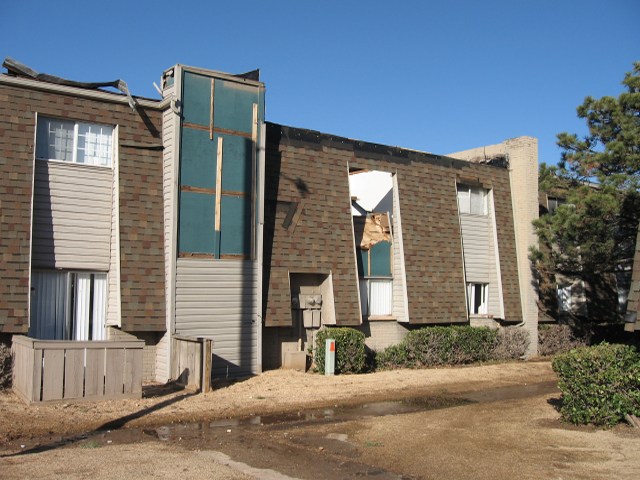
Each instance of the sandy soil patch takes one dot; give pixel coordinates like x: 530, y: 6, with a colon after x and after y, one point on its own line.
x: 272, y: 392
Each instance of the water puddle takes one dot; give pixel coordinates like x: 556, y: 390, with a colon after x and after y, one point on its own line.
x: 210, y: 431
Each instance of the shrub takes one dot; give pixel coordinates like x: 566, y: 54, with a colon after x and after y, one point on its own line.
x: 599, y: 384
x: 350, y: 349
x: 511, y: 343
x: 392, y: 357
x: 6, y: 362
x: 431, y: 346
x: 553, y: 339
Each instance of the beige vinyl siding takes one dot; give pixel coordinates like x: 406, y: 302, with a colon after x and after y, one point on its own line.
x: 400, y: 305
x: 218, y: 299
x: 479, y: 256
x: 162, y: 359
x: 169, y: 126
x: 113, y: 301
x: 72, y: 214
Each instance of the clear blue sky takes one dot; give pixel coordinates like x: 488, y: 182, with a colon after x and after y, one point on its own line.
x: 438, y: 76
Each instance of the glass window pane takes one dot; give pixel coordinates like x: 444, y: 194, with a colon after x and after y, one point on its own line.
x: 94, y: 144
x: 380, y: 297
x: 364, y: 296
x: 99, y: 314
x: 463, y: 199
x: 477, y: 201
x: 54, y: 140
x: 49, y: 306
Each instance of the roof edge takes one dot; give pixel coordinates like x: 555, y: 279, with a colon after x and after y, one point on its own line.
x: 81, y: 92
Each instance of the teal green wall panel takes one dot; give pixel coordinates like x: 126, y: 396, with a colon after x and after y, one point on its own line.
x: 233, y: 106
x: 196, y: 99
x: 381, y: 259
x: 236, y: 163
x: 197, y: 216
x: 199, y: 156
x: 233, y: 112
x: 362, y: 259
x: 235, y: 226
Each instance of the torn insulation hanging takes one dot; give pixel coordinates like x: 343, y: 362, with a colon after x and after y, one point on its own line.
x: 376, y: 229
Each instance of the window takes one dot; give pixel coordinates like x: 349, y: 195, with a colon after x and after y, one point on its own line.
x: 553, y: 203
x: 472, y: 200
x: 68, y: 305
x: 564, y: 298
x: 376, y: 297
x: 477, y: 298
x: 376, y: 282
x: 74, y: 142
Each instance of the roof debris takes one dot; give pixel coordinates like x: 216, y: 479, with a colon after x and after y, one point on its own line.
x: 17, y: 69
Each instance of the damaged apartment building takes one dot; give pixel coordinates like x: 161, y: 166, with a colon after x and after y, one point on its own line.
x: 192, y: 217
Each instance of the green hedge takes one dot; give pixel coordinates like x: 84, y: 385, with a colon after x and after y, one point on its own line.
x: 431, y: 346
x: 350, y: 349
x: 599, y: 384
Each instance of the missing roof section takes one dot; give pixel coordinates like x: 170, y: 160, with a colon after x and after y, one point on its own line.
x: 17, y: 69
x: 496, y: 159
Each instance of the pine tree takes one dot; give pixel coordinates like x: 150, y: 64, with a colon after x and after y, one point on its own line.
x: 592, y: 235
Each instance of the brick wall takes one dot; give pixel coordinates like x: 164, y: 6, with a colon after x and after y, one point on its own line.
x: 320, y: 240
x: 141, y: 238
x: 151, y: 340
x: 16, y: 174
x: 312, y: 168
x: 382, y: 334
x: 141, y: 222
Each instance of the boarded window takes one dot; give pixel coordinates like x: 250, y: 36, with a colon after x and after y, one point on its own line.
x: 219, y: 128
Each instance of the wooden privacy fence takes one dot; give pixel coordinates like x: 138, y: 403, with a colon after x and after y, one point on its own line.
x: 50, y: 370
x: 191, y: 362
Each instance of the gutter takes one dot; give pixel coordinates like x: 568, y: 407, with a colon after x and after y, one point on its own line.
x: 82, y: 92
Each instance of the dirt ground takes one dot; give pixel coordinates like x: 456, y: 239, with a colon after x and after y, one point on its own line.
x: 272, y: 392
x: 513, y: 437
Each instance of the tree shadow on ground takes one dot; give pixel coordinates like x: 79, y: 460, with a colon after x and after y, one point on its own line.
x: 110, y: 425
x: 555, y: 402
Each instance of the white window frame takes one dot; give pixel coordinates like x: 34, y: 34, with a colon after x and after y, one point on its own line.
x: 472, y: 287
x: 464, y: 194
x: 371, y: 302
x: 76, y: 136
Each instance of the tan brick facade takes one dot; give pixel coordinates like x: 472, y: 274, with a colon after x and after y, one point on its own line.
x: 312, y: 168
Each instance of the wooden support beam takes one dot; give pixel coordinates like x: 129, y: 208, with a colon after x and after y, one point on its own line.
x: 211, y: 110
x: 218, y: 211
x: 254, y: 146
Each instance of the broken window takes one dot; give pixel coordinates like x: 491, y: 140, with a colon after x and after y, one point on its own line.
x: 375, y: 259
x: 472, y: 200
x: 74, y: 142
x: 372, y: 202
